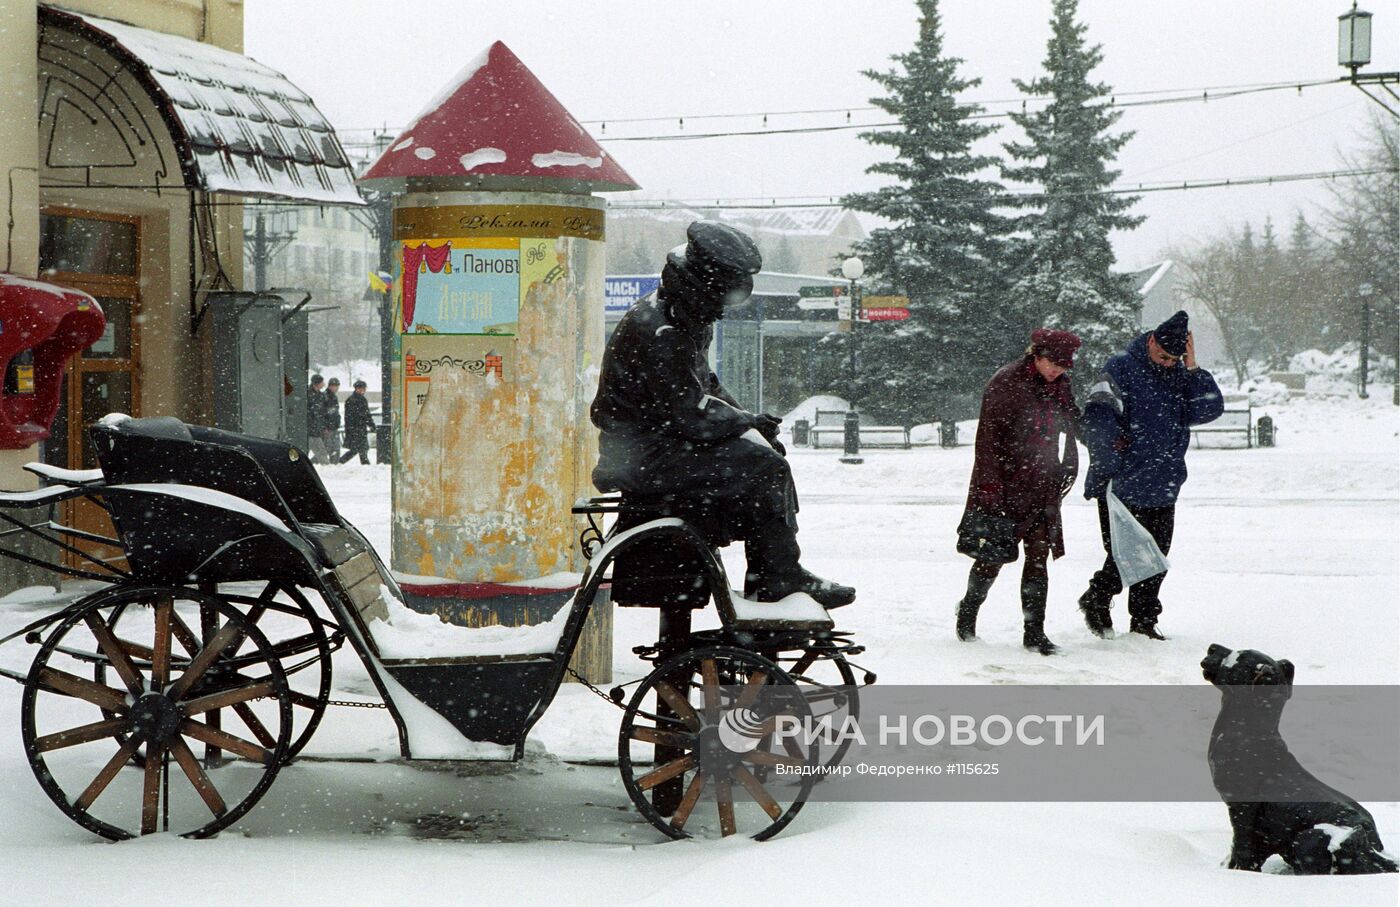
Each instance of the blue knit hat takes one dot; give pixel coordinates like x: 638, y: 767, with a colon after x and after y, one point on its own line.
x: 1171, y: 334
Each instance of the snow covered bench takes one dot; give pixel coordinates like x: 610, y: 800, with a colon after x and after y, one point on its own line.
x: 833, y: 422
x: 1238, y: 418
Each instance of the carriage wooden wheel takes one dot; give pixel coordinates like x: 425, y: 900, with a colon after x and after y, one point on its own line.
x: 726, y: 704
x: 119, y: 757
x: 829, y: 685
x: 298, y: 638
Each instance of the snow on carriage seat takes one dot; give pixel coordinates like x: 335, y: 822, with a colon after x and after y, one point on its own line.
x: 209, y: 497
x: 34, y: 496
x: 411, y: 634
x: 59, y: 474
x: 799, y: 608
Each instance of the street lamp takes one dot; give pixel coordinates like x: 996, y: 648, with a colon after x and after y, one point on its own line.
x: 852, y: 268
x: 1354, y: 52
x: 1354, y: 39
x: 1364, y: 291
x: 264, y: 244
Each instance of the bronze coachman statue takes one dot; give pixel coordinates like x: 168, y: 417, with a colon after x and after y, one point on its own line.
x: 670, y: 432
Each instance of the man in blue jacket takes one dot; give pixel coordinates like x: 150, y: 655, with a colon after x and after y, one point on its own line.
x: 1137, y: 426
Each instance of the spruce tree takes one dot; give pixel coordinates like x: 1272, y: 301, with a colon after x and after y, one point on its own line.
x: 944, y: 246
x: 1306, y: 288
x: 1062, y: 274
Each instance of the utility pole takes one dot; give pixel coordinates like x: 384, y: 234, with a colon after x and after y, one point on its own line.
x: 381, y: 206
x: 1365, y: 291
x: 852, y: 269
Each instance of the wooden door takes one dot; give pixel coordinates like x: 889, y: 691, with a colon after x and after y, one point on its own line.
x: 98, y: 253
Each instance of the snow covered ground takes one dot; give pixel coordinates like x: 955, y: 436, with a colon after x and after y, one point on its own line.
x: 1291, y: 550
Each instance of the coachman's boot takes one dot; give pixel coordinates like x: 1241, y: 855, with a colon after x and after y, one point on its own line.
x: 1033, y: 595
x: 774, y: 572
x: 978, y: 586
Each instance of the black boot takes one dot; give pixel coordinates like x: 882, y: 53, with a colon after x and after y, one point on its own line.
x: 1097, y: 614
x: 978, y: 585
x: 774, y: 572
x: 1033, y: 593
x: 1143, y: 608
x: 1147, y: 627
x: 776, y: 587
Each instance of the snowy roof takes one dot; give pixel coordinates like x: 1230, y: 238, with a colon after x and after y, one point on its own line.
x: 239, y: 126
x: 495, y: 119
x: 1147, y: 278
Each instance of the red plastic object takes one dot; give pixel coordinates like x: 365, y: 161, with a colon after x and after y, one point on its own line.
x: 54, y: 323
x: 497, y: 119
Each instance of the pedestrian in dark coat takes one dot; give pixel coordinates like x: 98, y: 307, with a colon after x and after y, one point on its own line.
x: 316, y: 420
x: 669, y: 428
x: 1137, y: 426
x: 358, y: 424
x: 331, y: 430
x: 1019, y: 476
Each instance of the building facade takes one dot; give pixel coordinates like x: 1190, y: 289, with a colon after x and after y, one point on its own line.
x: 134, y: 130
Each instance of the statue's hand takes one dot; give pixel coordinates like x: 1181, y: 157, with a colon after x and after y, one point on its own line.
x: 766, y: 424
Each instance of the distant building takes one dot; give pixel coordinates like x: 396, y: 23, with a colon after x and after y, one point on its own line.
x: 329, y: 251
x: 763, y: 350
x: 134, y: 130
x: 792, y: 240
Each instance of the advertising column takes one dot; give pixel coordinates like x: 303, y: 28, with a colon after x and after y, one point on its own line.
x: 498, y: 312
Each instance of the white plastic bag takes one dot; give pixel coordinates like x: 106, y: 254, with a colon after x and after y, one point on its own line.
x: 1135, y: 551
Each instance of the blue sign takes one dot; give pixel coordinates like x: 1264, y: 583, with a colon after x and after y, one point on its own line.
x: 619, y: 293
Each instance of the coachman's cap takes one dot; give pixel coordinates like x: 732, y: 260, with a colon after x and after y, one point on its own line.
x: 720, y: 246
x: 1171, y: 335
x: 1057, y: 346
x: 719, y: 258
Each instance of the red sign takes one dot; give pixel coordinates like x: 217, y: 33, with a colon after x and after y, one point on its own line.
x: 883, y: 313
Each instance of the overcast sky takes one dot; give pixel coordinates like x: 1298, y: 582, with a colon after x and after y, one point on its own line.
x: 371, y: 63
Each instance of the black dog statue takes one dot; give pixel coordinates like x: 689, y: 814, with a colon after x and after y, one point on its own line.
x: 1317, y: 830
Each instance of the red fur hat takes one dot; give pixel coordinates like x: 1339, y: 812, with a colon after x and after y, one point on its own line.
x: 1057, y: 346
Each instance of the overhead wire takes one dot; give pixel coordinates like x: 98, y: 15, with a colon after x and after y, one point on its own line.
x: 780, y: 202
x: 1147, y: 99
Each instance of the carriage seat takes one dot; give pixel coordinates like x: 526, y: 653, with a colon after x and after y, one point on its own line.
x: 664, y: 571
x: 270, y: 473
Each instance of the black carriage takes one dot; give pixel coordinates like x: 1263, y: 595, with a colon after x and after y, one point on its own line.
x: 168, y: 699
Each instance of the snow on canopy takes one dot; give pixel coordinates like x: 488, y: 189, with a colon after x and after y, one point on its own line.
x: 495, y: 118
x: 239, y: 126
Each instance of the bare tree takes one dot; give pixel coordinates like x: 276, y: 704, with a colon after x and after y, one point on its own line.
x: 1216, y: 276
x: 1363, y: 232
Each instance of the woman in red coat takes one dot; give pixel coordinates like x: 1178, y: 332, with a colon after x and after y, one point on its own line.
x: 1019, y: 476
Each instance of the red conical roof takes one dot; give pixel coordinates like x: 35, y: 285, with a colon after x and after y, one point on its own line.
x: 496, y: 119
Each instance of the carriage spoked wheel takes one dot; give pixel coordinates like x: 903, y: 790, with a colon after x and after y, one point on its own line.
x: 828, y: 684
x: 722, y: 707
x: 119, y: 757
x: 298, y: 639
